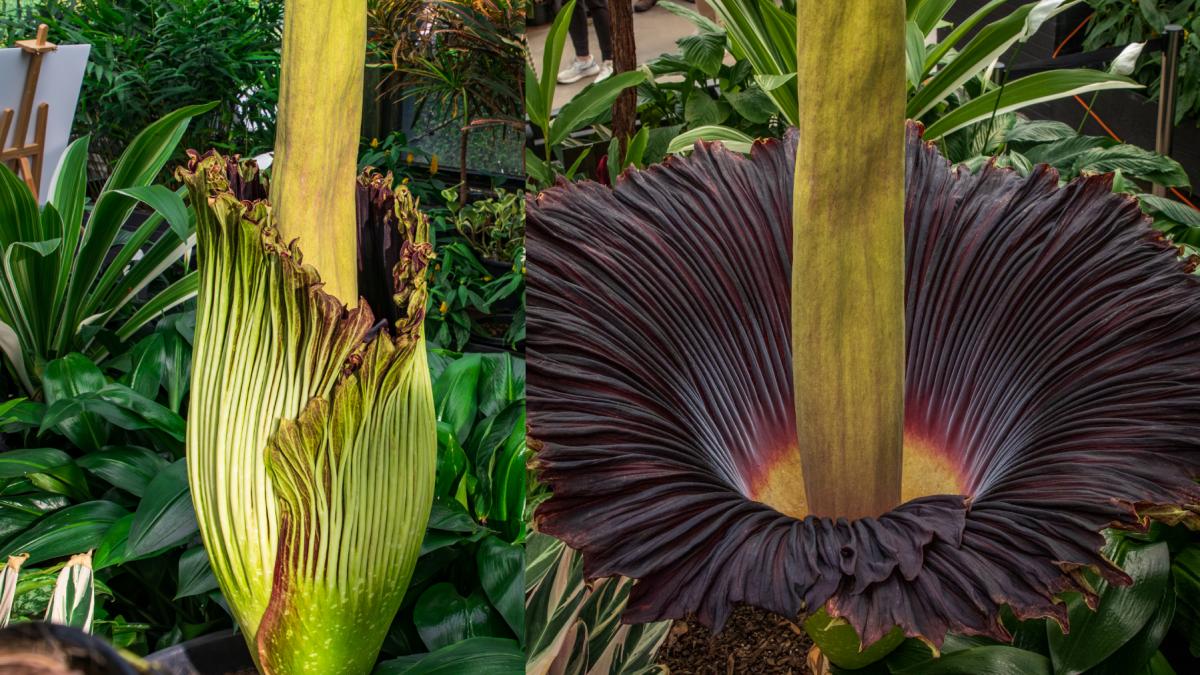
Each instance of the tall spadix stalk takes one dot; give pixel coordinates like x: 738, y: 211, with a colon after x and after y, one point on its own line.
x: 317, y: 132
x: 848, y: 255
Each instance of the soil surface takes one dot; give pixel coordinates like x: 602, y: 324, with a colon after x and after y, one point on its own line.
x: 753, y: 641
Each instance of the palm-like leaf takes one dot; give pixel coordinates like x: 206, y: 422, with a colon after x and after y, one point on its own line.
x: 1053, y: 389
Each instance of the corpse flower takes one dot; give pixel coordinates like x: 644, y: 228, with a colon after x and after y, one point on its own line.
x: 311, y: 441
x: 1051, y: 390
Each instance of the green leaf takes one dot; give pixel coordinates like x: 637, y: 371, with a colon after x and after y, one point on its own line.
x: 1134, y: 162
x: 456, y: 395
x: 914, y: 50
x: 65, y: 532
x: 501, y: 573
x: 551, y: 62
x: 591, y: 103
x: 1038, y: 131
x: 704, y: 51
x: 1029, y: 90
x: 443, y: 617
x: 165, y: 517
x: 701, y: 110
x: 1122, y: 612
x: 987, y: 660
x: 195, y: 573
x: 18, y: 463
x: 128, y: 468
x: 731, y: 138
x: 63, y: 382
x: 1169, y: 208
x: 477, y: 655
x: 167, y: 203
x: 112, y: 548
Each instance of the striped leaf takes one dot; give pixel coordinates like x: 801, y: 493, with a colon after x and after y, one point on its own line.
x: 73, y: 602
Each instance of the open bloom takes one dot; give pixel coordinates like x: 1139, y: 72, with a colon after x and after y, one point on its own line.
x: 1052, y: 390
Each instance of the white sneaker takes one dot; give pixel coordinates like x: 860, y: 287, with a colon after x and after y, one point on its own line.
x: 578, y: 70
x: 605, y: 72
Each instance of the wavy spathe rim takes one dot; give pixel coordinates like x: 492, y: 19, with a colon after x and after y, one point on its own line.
x: 1053, y: 372
x: 312, y: 431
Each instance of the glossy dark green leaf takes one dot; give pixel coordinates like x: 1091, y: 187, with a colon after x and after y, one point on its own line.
x: 452, y: 462
x: 444, y: 617
x: 456, y: 394
x: 195, y: 573
x: 146, y: 365
x: 450, y: 517
x: 64, y: 381
x: 704, y: 51
x: 127, y: 467
x: 477, y: 656
x: 501, y: 573
x: 74, y: 529
x: 988, y: 660
x: 1122, y: 612
x: 65, y: 479
x: 501, y: 381
x: 17, y: 463
x: 165, y: 516
x: 1137, y: 652
x: 112, y: 548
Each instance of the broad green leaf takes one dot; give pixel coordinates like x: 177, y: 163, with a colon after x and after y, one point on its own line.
x: 126, y: 467
x: 701, y: 110
x: 138, y: 166
x: 18, y: 463
x: 63, y: 382
x: 1027, y: 91
x: 165, y: 516
x: 456, y: 395
x: 477, y: 656
x: 704, y: 51
x: 731, y: 138
x: 551, y: 62
x: 1139, y: 650
x: 167, y: 203
x: 914, y: 49
x: 65, y: 532
x: 1038, y: 131
x: 1169, y: 208
x: 112, y: 549
x: 1134, y: 162
x: 988, y: 660
x: 501, y: 566
x: 590, y: 103
x: 443, y: 617
x: 1122, y: 612
x: 170, y: 297
x: 195, y: 573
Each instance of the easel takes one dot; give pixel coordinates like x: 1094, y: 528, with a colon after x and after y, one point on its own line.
x: 26, y: 158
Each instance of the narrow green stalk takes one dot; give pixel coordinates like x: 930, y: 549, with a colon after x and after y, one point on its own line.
x: 848, y: 255
x: 318, y: 127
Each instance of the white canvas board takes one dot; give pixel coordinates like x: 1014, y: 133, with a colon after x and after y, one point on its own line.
x: 61, y: 78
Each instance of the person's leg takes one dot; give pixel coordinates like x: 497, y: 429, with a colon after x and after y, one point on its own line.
x: 583, y: 65
x: 579, y: 32
x: 598, y: 9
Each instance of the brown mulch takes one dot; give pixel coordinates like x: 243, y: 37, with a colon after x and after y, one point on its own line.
x: 753, y: 641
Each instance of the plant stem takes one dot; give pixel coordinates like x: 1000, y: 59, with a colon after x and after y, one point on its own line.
x: 316, y: 142
x: 848, y: 255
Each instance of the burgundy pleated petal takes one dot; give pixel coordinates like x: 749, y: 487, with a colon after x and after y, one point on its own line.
x: 1053, y: 360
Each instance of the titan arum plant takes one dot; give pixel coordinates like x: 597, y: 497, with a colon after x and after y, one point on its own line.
x: 842, y: 378
x: 312, y: 434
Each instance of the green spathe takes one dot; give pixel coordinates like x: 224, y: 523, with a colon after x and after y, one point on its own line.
x: 311, y: 443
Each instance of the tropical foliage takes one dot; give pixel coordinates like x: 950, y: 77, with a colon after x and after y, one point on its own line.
x: 150, y: 57
x: 1118, y: 22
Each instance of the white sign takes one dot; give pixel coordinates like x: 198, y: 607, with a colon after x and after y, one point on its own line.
x: 58, y: 85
